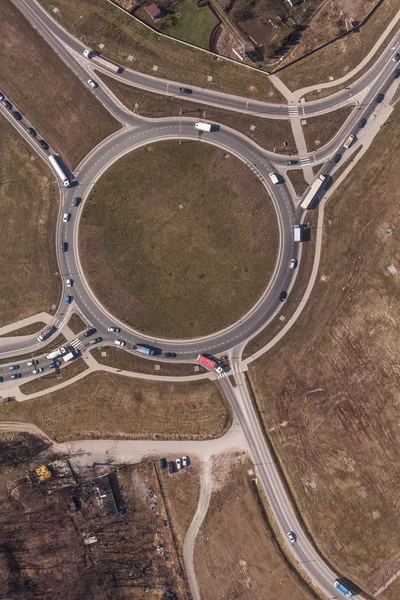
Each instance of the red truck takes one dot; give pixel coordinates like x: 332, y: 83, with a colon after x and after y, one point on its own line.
x: 211, y: 364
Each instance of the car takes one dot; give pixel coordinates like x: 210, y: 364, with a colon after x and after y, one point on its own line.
x: 380, y: 98
x: 178, y: 463
x: 362, y: 123
x: 38, y: 370
x: 1, y: 379
x: 69, y: 282
x: 171, y: 467
x: 397, y: 73
x: 396, y: 57
x: 96, y: 341
x: 64, y: 246
x: 77, y: 201
x: 282, y: 296
x: 16, y: 376
x: 6, y: 104
x: 292, y: 537
x: 32, y: 363
x: 170, y: 354
x: 68, y: 299
x: 114, y: 329
x: 336, y: 158
x: 93, y: 83
x: 90, y: 332
x: 185, y: 90
x: 66, y: 217
x: 43, y: 144
x: 54, y: 364
x: 293, y: 263
x: 163, y: 463
x: 14, y: 367
x: 185, y: 461
x: 17, y: 115
x: 31, y: 131
x: 1, y: 96
x: 119, y: 343
x: 291, y: 162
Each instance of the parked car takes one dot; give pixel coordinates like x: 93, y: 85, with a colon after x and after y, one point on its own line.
x: 17, y: 115
x: 282, y: 296
x: 16, y: 376
x: 77, y: 201
x: 163, y: 463
x: 185, y: 461
x: 31, y: 132
x: 292, y: 162
x: 119, y: 343
x: 64, y: 246
x: 38, y: 370
x: 96, y: 341
x: 14, y: 367
x: 171, y: 467
x: 184, y: 90
x: 66, y: 217
x: 93, y: 83
x: 6, y: 104
x: 68, y: 299
x: 292, y: 537
x: 380, y: 98
x: 90, y: 332
x: 32, y: 363
x: 43, y: 144
x: 396, y: 57
x: 114, y: 329
x: 362, y: 123
x: 70, y: 282
x: 178, y: 463
x: 293, y: 263
x: 170, y: 354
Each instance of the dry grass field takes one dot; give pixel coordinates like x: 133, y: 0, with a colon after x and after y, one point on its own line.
x: 329, y: 391
x: 268, y: 133
x: 54, y: 377
x: 296, y: 177
x: 130, y: 43
x: 342, y: 56
x: 103, y: 405
x: 320, y: 130
x: 77, y: 324
x: 184, y: 252
x: 43, y: 88
x: 28, y: 205
x: 236, y: 555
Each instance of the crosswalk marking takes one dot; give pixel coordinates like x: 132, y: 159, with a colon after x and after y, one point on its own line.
x: 293, y: 111
x: 77, y: 344
x: 305, y: 161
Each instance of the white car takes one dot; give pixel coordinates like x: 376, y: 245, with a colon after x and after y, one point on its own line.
x: 293, y: 263
x: 69, y: 282
x: 38, y: 370
x: 185, y: 461
x: 119, y: 343
x: 32, y: 363
x: 114, y: 329
x: 292, y: 537
x: 178, y: 464
x: 66, y: 217
x: 93, y: 83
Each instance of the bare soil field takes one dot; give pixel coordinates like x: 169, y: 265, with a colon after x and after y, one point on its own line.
x: 130, y: 362
x: 236, y: 555
x: 347, y: 52
x: 28, y: 205
x: 54, y: 377
x: 39, y: 83
x: 329, y: 392
x: 203, y: 222
x: 320, y: 130
x: 392, y: 592
x: 27, y: 330
x: 77, y: 324
x: 130, y: 43
x: 270, y: 134
x: 103, y: 405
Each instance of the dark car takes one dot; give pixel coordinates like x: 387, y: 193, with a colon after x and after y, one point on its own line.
x: 6, y: 104
x: 170, y: 354
x: 336, y: 158
x: 16, y: 376
x: 54, y: 364
x: 90, y: 332
x: 396, y: 57
x: 163, y: 463
x: 1, y: 96
x: 31, y: 132
x: 185, y: 91
x: 291, y: 162
x: 380, y: 97
x: 171, y: 467
x: 64, y: 246
x: 17, y: 115
x: 1, y: 379
x: 282, y: 296
x: 43, y: 144
x: 96, y: 341
x: 77, y: 201
x: 13, y: 367
x: 397, y: 73
x: 362, y: 123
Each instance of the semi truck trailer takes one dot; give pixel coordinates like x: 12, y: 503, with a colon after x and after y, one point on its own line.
x: 145, y: 349
x: 209, y: 362
x: 203, y: 126
x: 297, y: 233
x: 71, y: 355
x: 57, y: 353
x: 59, y: 170
x: 313, y: 191
x: 343, y: 589
x: 101, y: 61
x: 46, y: 333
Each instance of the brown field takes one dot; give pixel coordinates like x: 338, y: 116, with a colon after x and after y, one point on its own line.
x: 392, y: 592
x: 236, y: 555
x: 215, y: 229
x: 100, y: 22
x: 270, y: 134
x: 348, y: 52
x: 329, y: 392
x: 130, y: 362
x: 105, y: 405
x: 43, y: 88
x: 54, y: 343
x: 54, y: 377
x: 320, y: 130
x: 77, y: 324
x: 296, y: 176
x: 27, y: 330
x: 29, y: 206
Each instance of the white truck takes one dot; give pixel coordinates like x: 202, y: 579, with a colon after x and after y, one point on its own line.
x: 59, y: 170
x: 203, y: 126
x: 313, y: 191
x: 101, y: 61
x: 70, y: 356
x: 274, y: 178
x: 297, y: 233
x: 57, y: 353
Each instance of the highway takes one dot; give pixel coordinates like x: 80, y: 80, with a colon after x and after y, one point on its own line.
x: 137, y: 132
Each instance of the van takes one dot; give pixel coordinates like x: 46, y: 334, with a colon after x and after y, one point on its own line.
x: 274, y: 178
x: 297, y: 233
x: 203, y: 126
x: 350, y: 140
